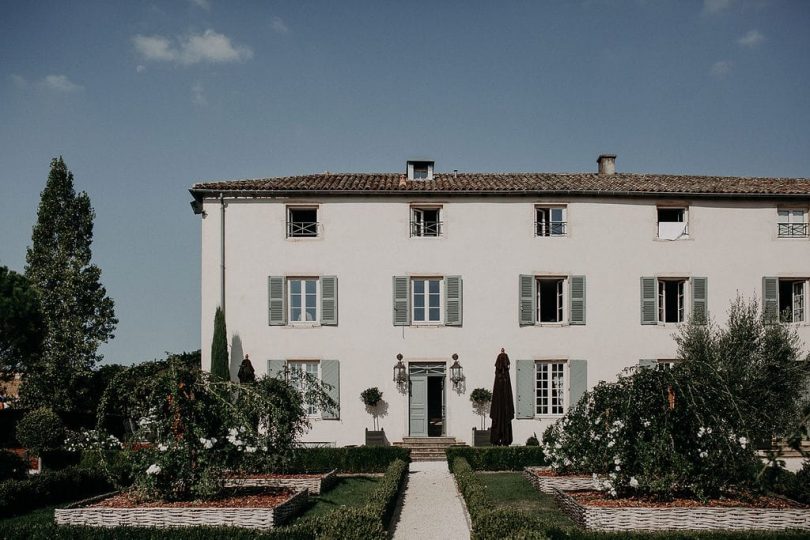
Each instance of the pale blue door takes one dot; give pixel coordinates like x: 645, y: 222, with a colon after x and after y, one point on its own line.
x: 418, y: 407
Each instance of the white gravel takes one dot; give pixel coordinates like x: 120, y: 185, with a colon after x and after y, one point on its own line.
x: 431, y: 506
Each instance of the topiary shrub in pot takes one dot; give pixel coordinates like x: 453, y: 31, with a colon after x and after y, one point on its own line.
x: 481, y: 399
x: 41, y: 432
x: 372, y: 399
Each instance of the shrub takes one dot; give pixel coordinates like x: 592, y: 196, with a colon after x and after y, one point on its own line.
x: 12, y: 466
x: 41, y: 430
x: 498, y: 458
x: 533, y: 441
x: 360, y: 459
x: 371, y: 396
x: 49, y: 487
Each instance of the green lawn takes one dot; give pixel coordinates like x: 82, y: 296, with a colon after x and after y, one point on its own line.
x: 350, y: 491
x: 512, y: 490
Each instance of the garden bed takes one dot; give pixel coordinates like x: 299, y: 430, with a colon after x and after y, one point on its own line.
x: 315, y: 483
x: 545, y: 480
x: 254, y: 510
x: 594, y: 513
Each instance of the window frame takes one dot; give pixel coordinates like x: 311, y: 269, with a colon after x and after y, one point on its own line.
x: 562, y: 391
x: 546, y: 231
x: 793, y: 309
x: 666, y: 363
x: 418, y: 230
x: 305, y: 224
x: 790, y: 226
x: 303, y: 294
x: 412, y: 294
x: 561, y: 296
x: 685, y: 235
x: 312, y: 410
x: 683, y: 296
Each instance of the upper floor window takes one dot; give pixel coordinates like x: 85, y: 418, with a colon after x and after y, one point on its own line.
x: 674, y: 300
x: 671, y: 300
x: 550, y: 388
x: 426, y: 221
x: 427, y: 300
x: 551, y: 299
x: 303, y: 301
x: 791, y: 300
x: 550, y: 221
x: 420, y: 170
x: 302, y: 222
x: 792, y: 223
x: 673, y: 223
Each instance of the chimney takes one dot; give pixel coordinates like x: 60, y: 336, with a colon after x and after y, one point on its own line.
x: 607, y: 163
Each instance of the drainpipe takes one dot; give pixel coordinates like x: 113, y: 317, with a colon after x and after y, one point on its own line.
x: 222, y: 252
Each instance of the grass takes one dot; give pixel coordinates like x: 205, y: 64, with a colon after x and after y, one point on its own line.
x: 513, y: 490
x: 350, y: 491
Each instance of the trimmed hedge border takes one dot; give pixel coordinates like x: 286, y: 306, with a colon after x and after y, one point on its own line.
x: 315, y: 485
x: 498, y: 458
x: 359, y: 459
x: 49, y: 487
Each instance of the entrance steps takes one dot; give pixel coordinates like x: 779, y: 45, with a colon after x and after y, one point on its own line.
x: 428, y: 448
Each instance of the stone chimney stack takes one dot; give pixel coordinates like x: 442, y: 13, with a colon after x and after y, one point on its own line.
x: 607, y: 163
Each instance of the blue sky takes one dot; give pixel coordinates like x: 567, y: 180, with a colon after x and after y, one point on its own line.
x: 144, y: 98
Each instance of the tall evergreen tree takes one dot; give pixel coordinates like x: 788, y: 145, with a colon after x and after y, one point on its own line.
x: 219, y: 348
x: 78, y: 314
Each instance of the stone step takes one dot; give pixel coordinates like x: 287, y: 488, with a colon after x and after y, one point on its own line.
x: 435, y: 439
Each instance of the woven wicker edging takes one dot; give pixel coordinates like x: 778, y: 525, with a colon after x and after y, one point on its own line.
x: 547, y: 484
x: 250, y: 518
x: 316, y: 486
x: 665, y: 519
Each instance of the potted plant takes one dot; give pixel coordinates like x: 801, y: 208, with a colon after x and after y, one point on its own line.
x: 481, y: 399
x: 372, y: 398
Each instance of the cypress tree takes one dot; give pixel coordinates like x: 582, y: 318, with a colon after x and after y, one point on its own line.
x: 76, y: 310
x: 219, y: 348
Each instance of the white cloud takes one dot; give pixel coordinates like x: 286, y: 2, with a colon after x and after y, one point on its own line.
x: 202, y: 4
x: 716, y: 6
x: 751, y: 39
x: 279, y: 26
x: 198, y: 95
x: 140, y: 68
x: 209, y: 46
x: 60, y: 83
x: 18, y: 81
x: 721, y: 69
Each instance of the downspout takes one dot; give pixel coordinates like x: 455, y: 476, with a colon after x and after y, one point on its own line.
x: 222, y: 252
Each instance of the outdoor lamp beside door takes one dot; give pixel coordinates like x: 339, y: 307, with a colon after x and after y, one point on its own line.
x: 400, y: 375
x: 456, y: 372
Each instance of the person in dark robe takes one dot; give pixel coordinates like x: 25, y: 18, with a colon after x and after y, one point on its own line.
x: 246, y: 373
x: 502, y: 408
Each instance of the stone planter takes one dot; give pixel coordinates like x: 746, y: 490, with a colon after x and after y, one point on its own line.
x: 83, y: 514
x: 695, y: 518
x: 314, y: 484
x: 481, y: 437
x: 376, y: 438
x: 547, y: 484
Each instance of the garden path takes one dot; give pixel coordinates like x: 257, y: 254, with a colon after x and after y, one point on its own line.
x: 431, y: 505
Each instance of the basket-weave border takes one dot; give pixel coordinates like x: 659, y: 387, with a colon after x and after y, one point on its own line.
x: 696, y: 518
x: 250, y: 518
x: 316, y: 485
x: 547, y: 484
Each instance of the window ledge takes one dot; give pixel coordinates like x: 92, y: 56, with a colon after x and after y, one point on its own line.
x: 681, y: 239
x: 304, y: 325
x: 426, y: 325
x: 792, y: 237
x: 552, y: 324
x: 548, y: 416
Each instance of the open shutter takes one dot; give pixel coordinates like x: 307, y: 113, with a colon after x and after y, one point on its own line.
x: 700, y: 294
x: 578, y: 375
x: 648, y: 301
x: 524, y: 382
x: 275, y: 368
x: 528, y: 300
x: 276, y: 307
x: 330, y: 375
x: 577, y: 300
x: 329, y: 312
x: 402, y: 312
x: 452, y: 300
x: 770, y: 298
x: 648, y: 363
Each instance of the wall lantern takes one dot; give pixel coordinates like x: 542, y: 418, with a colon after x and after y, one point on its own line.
x: 456, y: 372
x: 400, y: 372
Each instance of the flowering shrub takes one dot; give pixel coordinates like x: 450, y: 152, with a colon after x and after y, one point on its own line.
x: 688, y: 430
x: 88, y: 440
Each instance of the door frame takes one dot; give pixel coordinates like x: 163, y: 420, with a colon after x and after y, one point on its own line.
x: 428, y: 370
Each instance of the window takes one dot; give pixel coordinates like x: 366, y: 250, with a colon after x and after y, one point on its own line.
x: 672, y: 223
x: 420, y: 170
x: 426, y: 222
x: 665, y: 364
x: 302, y: 222
x: 303, y: 300
x: 298, y: 371
x: 550, y: 300
x: 550, y: 388
x: 791, y: 300
x: 427, y: 300
x: 792, y: 223
x: 671, y: 300
x: 550, y: 221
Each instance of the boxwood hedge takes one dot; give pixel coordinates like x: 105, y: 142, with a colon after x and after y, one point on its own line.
x: 498, y: 458
x: 360, y: 459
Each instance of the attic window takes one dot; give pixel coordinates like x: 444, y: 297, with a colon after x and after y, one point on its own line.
x: 420, y: 170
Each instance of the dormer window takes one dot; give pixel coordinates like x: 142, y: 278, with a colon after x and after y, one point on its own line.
x: 420, y: 170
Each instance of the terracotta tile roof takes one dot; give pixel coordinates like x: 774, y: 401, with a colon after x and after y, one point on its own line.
x: 629, y: 184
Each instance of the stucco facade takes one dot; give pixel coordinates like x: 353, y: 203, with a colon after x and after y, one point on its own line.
x: 490, y: 242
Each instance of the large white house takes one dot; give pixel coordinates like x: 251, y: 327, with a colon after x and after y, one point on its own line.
x: 576, y: 275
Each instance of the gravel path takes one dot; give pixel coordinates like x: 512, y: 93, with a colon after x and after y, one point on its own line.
x: 431, y: 506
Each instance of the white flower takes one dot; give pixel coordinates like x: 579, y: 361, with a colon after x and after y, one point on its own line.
x: 207, y: 443
x: 163, y: 447
x: 617, y: 460
x: 708, y: 431
x: 153, y: 469
x: 743, y: 442
x: 633, y: 482
x: 610, y: 444
x: 703, y: 453
x: 618, y: 468
x: 612, y: 492
x: 701, y: 431
x: 250, y: 449
x: 646, y: 423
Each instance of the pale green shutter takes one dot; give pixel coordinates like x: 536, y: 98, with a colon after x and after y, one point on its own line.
x: 649, y: 309
x: 275, y: 368
x: 700, y: 295
x: 577, y: 300
x: 524, y: 383
x: 276, y: 305
x: 770, y: 298
x: 528, y: 300
x: 402, y: 312
x: 330, y: 375
x: 648, y: 363
x: 452, y: 301
x: 329, y: 309
x: 578, y: 375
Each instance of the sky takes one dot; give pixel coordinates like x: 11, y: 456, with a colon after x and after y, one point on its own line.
x: 144, y: 98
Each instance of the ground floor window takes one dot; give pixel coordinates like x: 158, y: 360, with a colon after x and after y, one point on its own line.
x: 671, y: 300
x: 298, y: 369
x: 550, y: 385
x: 666, y: 364
x: 791, y: 300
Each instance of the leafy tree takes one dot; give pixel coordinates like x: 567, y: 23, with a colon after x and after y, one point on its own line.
x: 22, y: 329
x: 219, y: 348
x: 77, y: 312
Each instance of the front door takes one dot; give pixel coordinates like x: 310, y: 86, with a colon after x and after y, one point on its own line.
x: 419, y: 408
x: 426, y: 400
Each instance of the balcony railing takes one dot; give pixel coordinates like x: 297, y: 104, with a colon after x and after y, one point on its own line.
x: 297, y: 229
x: 555, y: 228
x: 426, y: 228
x: 792, y: 230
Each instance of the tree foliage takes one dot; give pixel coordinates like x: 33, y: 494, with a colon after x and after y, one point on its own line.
x: 219, y: 348
x: 22, y: 329
x: 77, y: 312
